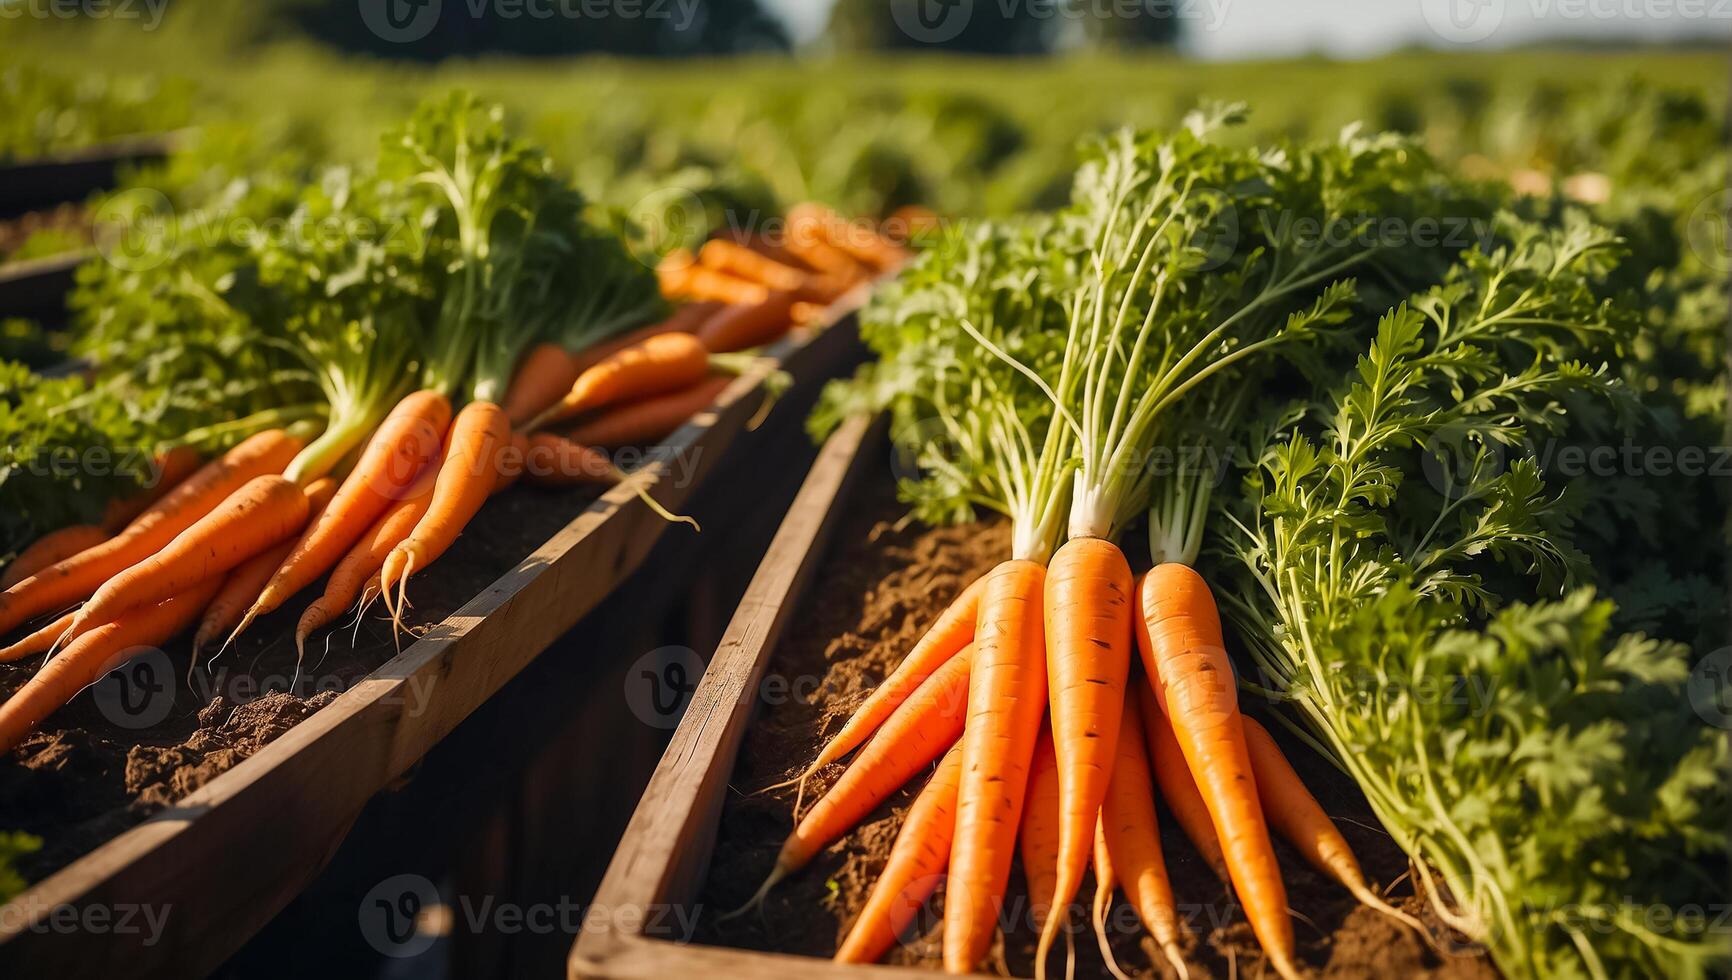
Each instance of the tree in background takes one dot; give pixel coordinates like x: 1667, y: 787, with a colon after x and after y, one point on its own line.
x: 970, y: 26
x: 432, y: 30
x: 1000, y: 27
x: 1133, y: 24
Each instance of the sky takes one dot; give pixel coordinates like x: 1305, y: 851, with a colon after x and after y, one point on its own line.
x: 1231, y: 29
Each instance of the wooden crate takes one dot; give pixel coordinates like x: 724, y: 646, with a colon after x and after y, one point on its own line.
x: 28, y: 185
x: 632, y: 931
x: 37, y: 289
x: 226, y: 858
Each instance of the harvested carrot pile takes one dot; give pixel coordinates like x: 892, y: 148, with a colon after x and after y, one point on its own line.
x: 872, y: 595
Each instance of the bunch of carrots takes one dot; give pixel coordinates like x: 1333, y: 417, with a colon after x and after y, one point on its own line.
x: 1067, y: 352
x: 217, y: 545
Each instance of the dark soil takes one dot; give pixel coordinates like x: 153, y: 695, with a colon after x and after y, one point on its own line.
x: 69, y: 218
x: 877, y: 590
x: 147, y: 735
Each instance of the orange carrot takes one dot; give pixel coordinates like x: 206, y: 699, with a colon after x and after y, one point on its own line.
x: 243, y: 585
x: 860, y: 239
x: 1038, y: 837
x: 1133, y: 839
x: 659, y: 365
x: 466, y: 478
x: 743, y: 263
x: 1006, y: 698
x: 41, y: 641
x: 1106, y: 881
x: 62, y: 584
x: 267, y: 511
x: 913, y: 870
x: 1088, y: 626
x: 1179, y: 636
x: 749, y: 325
x: 948, y: 635
x: 1177, y: 787
x: 542, y: 377
x: 556, y: 461
x: 648, y: 421
x: 685, y: 319
x: 51, y: 549
x: 361, y: 565
x: 810, y: 243
x: 512, y: 460
x: 926, y: 725
x: 168, y: 469
x: 402, y: 447
x: 681, y: 277
x: 1297, y: 816
x: 94, y: 654
x: 908, y: 223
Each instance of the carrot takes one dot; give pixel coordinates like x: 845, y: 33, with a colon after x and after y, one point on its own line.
x: 659, y: 365
x: 94, y: 654
x: 1177, y: 787
x: 859, y: 239
x: 926, y: 725
x: 249, y: 578
x: 1088, y: 625
x: 552, y: 460
x: 168, y: 469
x: 913, y: 870
x: 51, y: 549
x: 825, y: 258
x: 741, y: 326
x: 62, y: 584
x: 1133, y: 838
x: 907, y: 223
x: 648, y: 421
x: 1300, y: 819
x: 268, y: 510
x: 1006, y: 698
x: 361, y: 565
x: 406, y: 441
x: 41, y: 641
x: 1106, y: 880
x: 686, y: 319
x: 743, y: 263
x: 1038, y: 838
x: 466, y: 478
x: 542, y: 377
x: 1179, y: 636
x: 511, y: 461
x: 681, y: 277
x: 948, y: 635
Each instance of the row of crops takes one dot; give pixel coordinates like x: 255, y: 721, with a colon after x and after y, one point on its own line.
x: 1408, y: 305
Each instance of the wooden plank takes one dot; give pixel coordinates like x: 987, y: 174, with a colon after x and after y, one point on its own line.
x: 72, y: 175
x: 37, y: 288
x: 221, y: 862
x: 640, y: 918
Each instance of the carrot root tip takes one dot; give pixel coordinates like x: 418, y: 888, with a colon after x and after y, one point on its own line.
x: 757, y: 900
